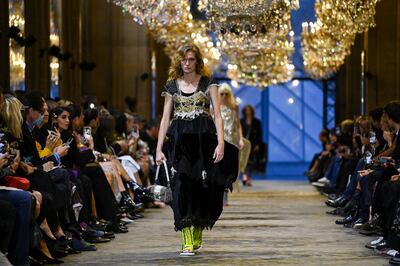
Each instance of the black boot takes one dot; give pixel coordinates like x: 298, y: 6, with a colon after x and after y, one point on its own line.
x: 127, y: 201
x: 137, y: 190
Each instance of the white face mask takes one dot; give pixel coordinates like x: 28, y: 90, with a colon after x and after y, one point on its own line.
x: 38, y: 121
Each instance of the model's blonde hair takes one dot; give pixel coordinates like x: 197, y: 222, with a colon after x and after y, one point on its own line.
x: 175, y: 70
x: 231, y: 102
x: 12, y: 116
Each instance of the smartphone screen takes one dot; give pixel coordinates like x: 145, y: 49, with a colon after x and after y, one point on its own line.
x: 87, y: 131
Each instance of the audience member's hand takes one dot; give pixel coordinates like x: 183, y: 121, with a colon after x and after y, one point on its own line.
x: 106, y: 156
x: 28, y: 169
x: 77, y: 138
x: 124, y: 146
x: 132, y: 141
x: 16, y: 161
x: 394, y: 178
x: 62, y: 150
x: 90, y: 142
x: 48, y: 166
x: 4, y: 160
x: 388, y: 136
x: 52, y: 140
x: 365, y: 140
x: 365, y: 172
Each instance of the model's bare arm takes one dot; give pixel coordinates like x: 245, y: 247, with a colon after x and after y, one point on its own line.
x: 163, y: 129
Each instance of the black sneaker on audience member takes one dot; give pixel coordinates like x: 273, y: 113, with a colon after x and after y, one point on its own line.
x: 347, y: 220
x: 359, y: 223
x: 339, y: 202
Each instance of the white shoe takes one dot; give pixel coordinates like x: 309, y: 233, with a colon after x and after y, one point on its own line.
x: 126, y: 220
x: 324, y: 180
x: 318, y: 184
x: 377, y: 241
x: 186, y: 253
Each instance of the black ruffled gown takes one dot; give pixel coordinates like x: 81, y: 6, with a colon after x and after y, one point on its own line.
x: 197, y: 183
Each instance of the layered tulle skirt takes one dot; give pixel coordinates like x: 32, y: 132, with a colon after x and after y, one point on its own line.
x: 197, y: 183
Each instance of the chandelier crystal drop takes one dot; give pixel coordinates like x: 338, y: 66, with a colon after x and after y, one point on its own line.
x: 328, y: 41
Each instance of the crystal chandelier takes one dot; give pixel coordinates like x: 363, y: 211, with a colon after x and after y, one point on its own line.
x: 154, y: 13
x: 328, y: 41
x: 17, y: 53
x: 195, y: 32
x: 256, y: 38
x: 171, y: 23
x: 262, y: 67
x: 240, y: 24
x: 242, y: 27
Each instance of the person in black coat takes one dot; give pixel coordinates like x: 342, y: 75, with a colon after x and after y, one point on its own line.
x: 252, y: 130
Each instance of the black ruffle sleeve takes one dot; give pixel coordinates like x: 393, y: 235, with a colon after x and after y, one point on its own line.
x: 169, y: 88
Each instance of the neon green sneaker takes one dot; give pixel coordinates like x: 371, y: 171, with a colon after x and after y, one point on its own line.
x: 187, y: 242
x: 197, y: 237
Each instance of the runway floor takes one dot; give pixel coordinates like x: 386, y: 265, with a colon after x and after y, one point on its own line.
x: 271, y: 223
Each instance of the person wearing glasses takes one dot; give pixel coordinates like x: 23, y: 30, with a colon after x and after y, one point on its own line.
x: 233, y: 129
x: 202, y: 163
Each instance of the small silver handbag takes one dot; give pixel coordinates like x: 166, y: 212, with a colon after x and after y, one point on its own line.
x: 158, y: 192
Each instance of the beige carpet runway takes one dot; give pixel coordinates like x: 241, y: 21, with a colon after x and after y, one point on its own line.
x: 271, y: 223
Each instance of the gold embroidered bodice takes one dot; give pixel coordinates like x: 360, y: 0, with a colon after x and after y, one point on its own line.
x: 189, y: 106
x: 192, y: 106
x: 231, y: 129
